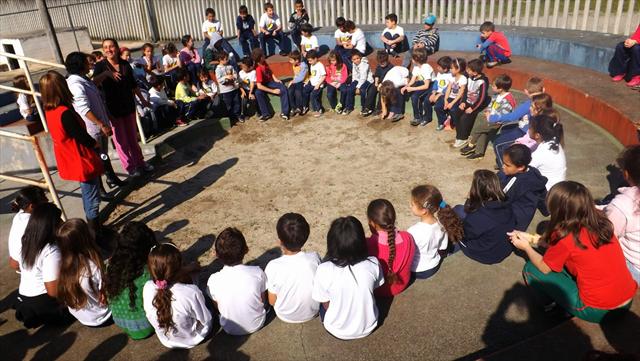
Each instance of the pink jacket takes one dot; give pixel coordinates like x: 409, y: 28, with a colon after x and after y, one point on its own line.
x: 334, y: 76
x: 189, y: 56
x: 624, y: 213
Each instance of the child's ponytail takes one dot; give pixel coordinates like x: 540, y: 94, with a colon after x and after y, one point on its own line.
x: 164, y: 265
x: 382, y: 213
x: 429, y: 197
x: 548, y: 125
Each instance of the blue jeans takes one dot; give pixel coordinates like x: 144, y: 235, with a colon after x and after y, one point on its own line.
x: 91, y: 197
x: 422, y: 109
x: 314, y: 96
x: 428, y: 273
x: 248, y: 42
x: 398, y: 106
x: 441, y: 113
x: 261, y: 96
x: 495, y: 53
x: 296, y: 99
x: 345, y: 99
x: 231, y: 102
x: 507, y: 136
x: 194, y: 70
x: 296, y: 37
x: 364, y: 88
x: 399, y: 47
x: 271, y: 41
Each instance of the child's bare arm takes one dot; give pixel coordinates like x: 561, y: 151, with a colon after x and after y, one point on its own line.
x: 272, y: 298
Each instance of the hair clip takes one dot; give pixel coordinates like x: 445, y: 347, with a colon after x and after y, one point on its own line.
x: 160, y: 244
x: 160, y: 284
x: 443, y: 204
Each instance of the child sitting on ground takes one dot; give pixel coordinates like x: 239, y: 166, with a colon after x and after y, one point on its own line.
x: 452, y: 95
x: 394, y: 100
x: 296, y: 85
x: 502, y: 102
x: 345, y: 282
x: 337, y: 75
x: 24, y: 203
x: 394, y: 249
x: 270, y: 28
x: 241, y: 308
x: 290, y: 277
x: 228, y: 86
x: 192, y: 106
x: 247, y: 35
x: 308, y: 41
x: 523, y: 185
x: 419, y: 87
x: 176, y: 310
x: 548, y: 157
x: 441, y: 80
x: 298, y: 18
x: 268, y: 83
x: 361, y: 79
x: 475, y: 101
x: 438, y: 225
x: 494, y: 46
x: 166, y: 110
x: 25, y: 102
x: 382, y: 68
x: 209, y: 87
x: 392, y: 36
x: 313, y: 89
x: 247, y: 77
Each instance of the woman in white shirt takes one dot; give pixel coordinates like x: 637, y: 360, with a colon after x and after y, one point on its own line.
x: 26, y: 200
x: 176, y: 310
x: 548, y: 157
x: 39, y: 268
x: 80, y: 283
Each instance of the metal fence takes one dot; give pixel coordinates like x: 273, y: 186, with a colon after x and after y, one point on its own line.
x: 169, y: 19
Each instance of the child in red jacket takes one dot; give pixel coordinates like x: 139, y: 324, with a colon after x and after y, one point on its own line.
x: 493, y: 45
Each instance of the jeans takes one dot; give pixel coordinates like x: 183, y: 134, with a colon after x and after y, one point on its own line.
x: 313, y: 96
x: 507, y: 136
x: 625, y: 61
x: 91, y: 198
x: 125, y: 138
x: 345, y: 100
x: 193, y: 110
x: 284, y: 98
x: 248, y: 42
x: 495, y: 53
x: 232, y: 104
x: 428, y: 273
x: 364, y: 90
x: 296, y: 37
x: 441, y: 113
x: 398, y: 48
x: 422, y: 109
x: 296, y: 99
x: 270, y: 40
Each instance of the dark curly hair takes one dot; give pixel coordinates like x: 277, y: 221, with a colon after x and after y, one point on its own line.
x: 128, y: 260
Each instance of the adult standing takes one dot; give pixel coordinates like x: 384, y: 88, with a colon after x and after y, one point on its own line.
x: 119, y: 88
x: 88, y: 103
x: 625, y: 64
x: 74, y: 149
x: 427, y: 38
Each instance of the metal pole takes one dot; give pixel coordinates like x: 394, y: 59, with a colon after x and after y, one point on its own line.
x: 49, y: 29
x: 73, y: 29
x: 47, y: 176
x: 36, y: 100
x: 151, y: 21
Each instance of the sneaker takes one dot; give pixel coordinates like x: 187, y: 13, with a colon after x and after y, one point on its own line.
x: 415, y: 122
x: 136, y: 174
x: 376, y: 112
x: 284, y: 116
x: 468, y: 149
x: 264, y: 118
x: 439, y: 127
x: 148, y: 167
x: 635, y: 81
x: 475, y: 156
x: 295, y: 112
x: 241, y: 119
x: 396, y: 118
x: 459, y: 143
x: 618, y: 77
x: 364, y: 111
x: 347, y: 111
x: 367, y: 113
x: 304, y: 111
x: 338, y: 108
x: 424, y: 123
x: 180, y: 123
x: 491, y: 64
x: 506, y: 61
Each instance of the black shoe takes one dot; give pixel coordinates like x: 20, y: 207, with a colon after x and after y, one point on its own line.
x: 114, y: 182
x: 415, y: 122
x: 468, y: 149
x: 283, y: 53
x: 475, y: 156
x: 284, y: 116
x: 397, y: 118
x: 506, y: 61
x: 104, y: 196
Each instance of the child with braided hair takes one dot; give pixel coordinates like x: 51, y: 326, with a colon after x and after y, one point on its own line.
x: 394, y: 249
x: 176, y: 310
x: 438, y: 225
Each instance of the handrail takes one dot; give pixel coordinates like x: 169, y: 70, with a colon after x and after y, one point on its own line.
x: 31, y: 60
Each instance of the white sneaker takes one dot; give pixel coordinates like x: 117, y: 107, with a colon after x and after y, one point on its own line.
x: 460, y: 143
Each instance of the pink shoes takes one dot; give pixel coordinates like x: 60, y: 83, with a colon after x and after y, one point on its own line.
x: 617, y: 77
x: 635, y: 81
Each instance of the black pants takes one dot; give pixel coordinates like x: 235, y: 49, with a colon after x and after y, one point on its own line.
x: 625, y: 61
x: 464, y: 123
x: 41, y: 310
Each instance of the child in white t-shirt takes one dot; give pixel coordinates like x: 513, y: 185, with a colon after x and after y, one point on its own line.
x: 391, y: 99
x: 344, y: 284
x: 176, y: 310
x: 313, y: 89
x: 549, y: 156
x: 419, y: 87
x: 210, y: 26
x: 454, y: 93
x: 308, y: 41
x: 247, y: 77
x: 26, y: 104
x: 290, y: 277
x: 24, y: 203
x: 242, y: 309
x: 438, y: 225
x: 441, y: 80
x: 392, y: 36
x: 80, y: 256
x: 270, y: 28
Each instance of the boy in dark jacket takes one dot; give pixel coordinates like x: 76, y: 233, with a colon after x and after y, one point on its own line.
x: 524, y: 186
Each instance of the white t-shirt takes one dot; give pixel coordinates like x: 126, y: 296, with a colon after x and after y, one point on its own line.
x: 238, y: 291
x: 309, y: 43
x: 45, y: 269
x: 317, y: 74
x: 168, y: 61
x: 247, y: 78
x: 290, y: 277
x: 190, y: 315
x: 342, y: 36
x: 398, y: 75
x: 442, y: 82
x: 551, y: 163
x: 397, y: 30
x: 18, y: 226
x: 93, y: 313
x: 352, y: 311
x: 358, y: 40
x: 422, y: 72
x: 429, y: 239
x: 23, y: 105
x: 211, y: 27
x: 269, y: 24
x: 456, y: 86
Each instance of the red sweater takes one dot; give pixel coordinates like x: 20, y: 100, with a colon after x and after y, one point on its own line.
x: 405, y: 249
x: 636, y: 35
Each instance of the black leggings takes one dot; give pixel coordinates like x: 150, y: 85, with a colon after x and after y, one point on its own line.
x: 465, y: 124
x: 41, y: 310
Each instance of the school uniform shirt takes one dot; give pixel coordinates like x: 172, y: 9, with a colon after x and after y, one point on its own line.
x: 23, y: 105
x: 238, y: 291
x: 456, y: 86
x: 361, y: 73
x: 342, y: 36
x: 93, y: 313
x: 226, y: 86
x: 485, y: 233
x: 211, y: 27
x: 476, y: 97
x: 18, y: 225
x: 269, y: 23
x: 378, y: 246
x: 422, y: 72
x: 300, y: 73
x: 157, y: 98
x: 352, y: 311
x: 169, y: 62
x: 245, y: 26
x: 551, y: 163
x: 247, y: 78
x: 442, y: 81
x: 526, y: 192
x: 290, y: 277
x: 358, y: 41
x: 502, y: 103
x: 602, y: 277
x: 46, y: 268
x: 309, y: 43
x: 317, y: 74
x: 624, y: 213
x: 189, y: 313
x: 397, y: 30
x: 429, y: 239
x: 263, y: 73
x: 398, y: 76
x: 381, y: 72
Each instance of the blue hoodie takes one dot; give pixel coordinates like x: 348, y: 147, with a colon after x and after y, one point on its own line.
x: 525, y: 192
x: 485, y: 233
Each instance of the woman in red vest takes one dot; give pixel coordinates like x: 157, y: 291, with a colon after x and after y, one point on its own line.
x: 74, y: 149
